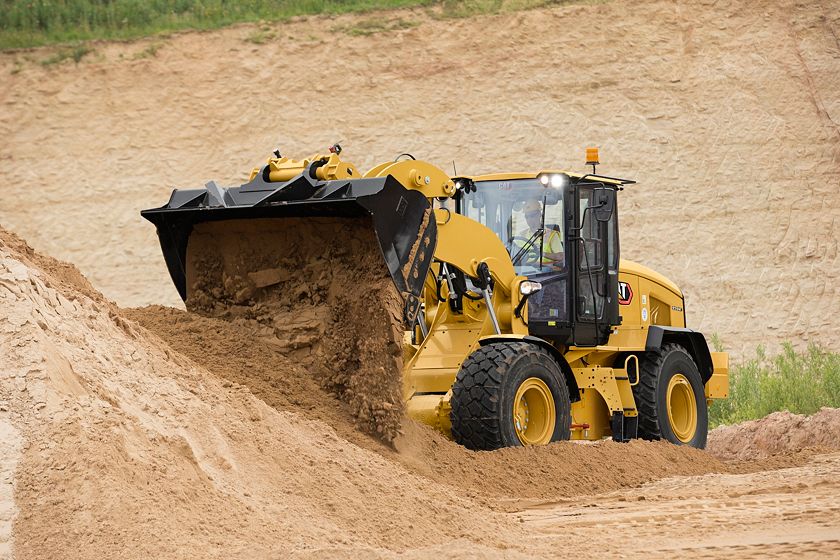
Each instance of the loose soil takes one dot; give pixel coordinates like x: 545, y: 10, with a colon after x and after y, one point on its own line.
x: 237, y: 353
x: 318, y: 290
x: 121, y: 446
x: 777, y: 434
x: 116, y: 442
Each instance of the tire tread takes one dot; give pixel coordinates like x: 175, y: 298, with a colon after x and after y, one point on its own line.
x: 476, y: 394
x: 645, y: 392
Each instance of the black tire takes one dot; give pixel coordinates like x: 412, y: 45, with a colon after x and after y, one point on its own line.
x: 485, y: 388
x: 657, y: 369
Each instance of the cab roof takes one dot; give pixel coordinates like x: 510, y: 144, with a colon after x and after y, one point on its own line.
x: 525, y: 175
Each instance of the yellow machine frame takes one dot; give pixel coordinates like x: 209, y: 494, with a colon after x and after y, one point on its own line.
x: 433, y: 363
x: 600, y: 379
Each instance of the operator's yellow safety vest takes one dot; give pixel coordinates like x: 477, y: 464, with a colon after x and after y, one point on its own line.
x: 552, y: 243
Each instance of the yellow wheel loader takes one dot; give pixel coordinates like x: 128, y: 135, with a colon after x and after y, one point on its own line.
x: 523, y: 325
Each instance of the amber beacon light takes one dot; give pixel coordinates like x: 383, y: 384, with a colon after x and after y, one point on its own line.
x: 592, y: 157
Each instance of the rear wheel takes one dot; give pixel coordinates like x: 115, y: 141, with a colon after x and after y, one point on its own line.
x: 671, y: 399
x: 510, y: 394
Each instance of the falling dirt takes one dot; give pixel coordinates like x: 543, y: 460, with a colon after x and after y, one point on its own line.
x: 318, y: 290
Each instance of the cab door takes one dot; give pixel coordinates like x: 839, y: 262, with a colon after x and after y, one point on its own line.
x: 595, y: 259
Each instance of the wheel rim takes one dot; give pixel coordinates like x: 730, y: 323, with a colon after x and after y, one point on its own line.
x: 682, y: 408
x: 534, y: 416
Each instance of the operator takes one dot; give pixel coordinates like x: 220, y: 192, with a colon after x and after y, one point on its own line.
x: 553, y: 255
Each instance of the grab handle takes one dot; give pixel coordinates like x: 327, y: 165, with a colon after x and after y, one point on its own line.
x: 638, y: 372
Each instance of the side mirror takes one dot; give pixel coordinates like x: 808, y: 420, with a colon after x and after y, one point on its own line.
x: 603, y: 203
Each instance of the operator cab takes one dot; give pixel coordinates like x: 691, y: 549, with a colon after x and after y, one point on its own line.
x: 560, y: 230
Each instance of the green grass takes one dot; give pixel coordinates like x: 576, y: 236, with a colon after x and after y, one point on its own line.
x: 468, y: 8
x: 800, y: 382
x: 30, y: 23
x: 27, y: 23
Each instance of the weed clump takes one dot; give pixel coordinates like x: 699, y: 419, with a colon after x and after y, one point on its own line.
x: 800, y: 382
x: 76, y: 53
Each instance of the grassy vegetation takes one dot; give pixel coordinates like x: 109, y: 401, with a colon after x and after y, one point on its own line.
x: 800, y: 382
x: 27, y: 23
x: 468, y: 8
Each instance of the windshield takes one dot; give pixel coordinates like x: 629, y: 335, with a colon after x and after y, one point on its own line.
x: 514, y: 211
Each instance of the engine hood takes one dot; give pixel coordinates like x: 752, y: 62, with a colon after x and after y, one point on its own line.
x: 634, y: 268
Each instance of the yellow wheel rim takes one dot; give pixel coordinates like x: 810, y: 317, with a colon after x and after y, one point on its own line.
x: 682, y: 408
x: 534, y: 417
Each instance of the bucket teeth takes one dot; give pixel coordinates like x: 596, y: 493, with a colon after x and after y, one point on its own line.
x: 216, y: 196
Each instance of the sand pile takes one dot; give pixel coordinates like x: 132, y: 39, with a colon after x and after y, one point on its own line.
x: 236, y: 352
x: 114, y: 443
x: 319, y: 291
x: 776, y: 434
x: 119, y: 445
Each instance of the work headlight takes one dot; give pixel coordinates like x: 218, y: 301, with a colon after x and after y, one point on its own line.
x: 556, y: 180
x: 528, y: 287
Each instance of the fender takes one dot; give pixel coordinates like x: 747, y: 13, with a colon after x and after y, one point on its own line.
x: 693, y: 341
x: 574, y: 391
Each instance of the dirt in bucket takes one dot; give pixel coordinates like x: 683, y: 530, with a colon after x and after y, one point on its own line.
x: 317, y: 289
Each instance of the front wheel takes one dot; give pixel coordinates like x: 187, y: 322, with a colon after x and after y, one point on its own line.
x: 671, y: 398
x: 510, y: 394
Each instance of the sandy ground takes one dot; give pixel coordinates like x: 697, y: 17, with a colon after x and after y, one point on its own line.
x: 725, y: 112
x: 116, y: 443
x: 783, y: 513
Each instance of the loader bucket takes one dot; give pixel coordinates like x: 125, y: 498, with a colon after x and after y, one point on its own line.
x: 402, y: 220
